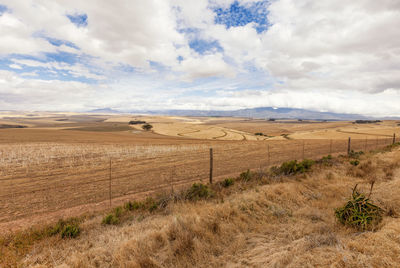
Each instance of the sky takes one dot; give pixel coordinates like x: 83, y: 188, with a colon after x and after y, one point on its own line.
x: 72, y: 55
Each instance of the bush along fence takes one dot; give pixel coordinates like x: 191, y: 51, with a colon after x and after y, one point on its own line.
x: 109, y: 182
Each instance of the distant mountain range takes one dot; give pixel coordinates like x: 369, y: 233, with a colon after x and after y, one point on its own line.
x: 260, y: 113
x: 105, y: 111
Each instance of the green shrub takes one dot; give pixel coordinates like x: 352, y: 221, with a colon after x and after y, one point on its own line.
x: 305, y: 165
x: 289, y: 167
x: 359, y: 212
x: 135, y: 205
x: 227, y: 182
x: 111, y: 219
x: 355, y: 162
x: 151, y: 204
x: 392, y: 146
x: 118, y: 211
x: 114, y: 217
x: 199, y: 191
x: 67, y: 228
x: 326, y: 160
x: 294, y: 167
x: 246, y: 176
x: 70, y: 231
x: 259, y: 134
x: 147, y: 127
x: 355, y: 155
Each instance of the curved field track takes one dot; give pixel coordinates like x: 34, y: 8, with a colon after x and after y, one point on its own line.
x: 199, y: 131
x: 224, y: 135
x: 190, y: 132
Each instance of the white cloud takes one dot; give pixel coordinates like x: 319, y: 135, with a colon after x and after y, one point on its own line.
x: 337, y: 45
x: 205, y: 66
x: 19, y: 93
x: 15, y: 66
x: 68, y: 49
x: 240, y: 43
x: 17, y: 37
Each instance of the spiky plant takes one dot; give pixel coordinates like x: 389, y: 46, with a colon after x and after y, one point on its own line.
x: 359, y: 212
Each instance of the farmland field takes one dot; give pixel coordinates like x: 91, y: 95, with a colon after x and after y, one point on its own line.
x: 65, y: 164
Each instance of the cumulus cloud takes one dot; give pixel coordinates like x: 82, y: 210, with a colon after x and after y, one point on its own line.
x: 205, y: 66
x: 324, y: 55
x: 38, y: 94
x: 17, y: 37
x: 329, y: 45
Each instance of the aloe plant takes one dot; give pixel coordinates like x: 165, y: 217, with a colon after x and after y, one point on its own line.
x: 359, y: 212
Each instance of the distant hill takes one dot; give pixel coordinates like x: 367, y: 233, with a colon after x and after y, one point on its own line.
x: 104, y: 111
x: 266, y: 113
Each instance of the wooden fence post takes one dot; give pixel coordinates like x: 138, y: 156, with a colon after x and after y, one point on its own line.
x: 211, y: 165
x: 394, y: 138
x: 349, y: 146
x: 110, y: 183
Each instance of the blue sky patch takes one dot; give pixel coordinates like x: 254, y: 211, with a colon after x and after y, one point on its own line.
x: 48, y: 73
x: 79, y: 20
x: 204, y: 46
x: 3, y: 9
x: 157, y: 66
x: 241, y: 15
x: 125, y: 68
x: 59, y: 42
x: 66, y: 57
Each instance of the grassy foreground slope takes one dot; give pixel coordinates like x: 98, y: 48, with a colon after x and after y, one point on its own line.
x: 266, y: 221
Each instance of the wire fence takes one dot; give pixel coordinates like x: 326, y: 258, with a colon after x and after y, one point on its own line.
x: 62, y: 183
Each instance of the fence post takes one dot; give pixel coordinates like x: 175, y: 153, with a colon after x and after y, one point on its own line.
x: 303, y: 150
x: 211, y: 165
x: 110, y: 183
x: 269, y: 157
x: 349, y: 146
x: 330, y: 148
x: 394, y: 138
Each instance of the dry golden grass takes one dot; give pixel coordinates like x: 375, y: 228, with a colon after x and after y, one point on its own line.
x: 286, y: 223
